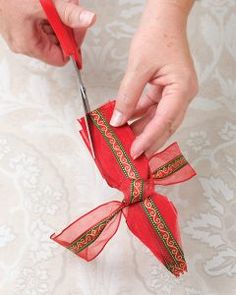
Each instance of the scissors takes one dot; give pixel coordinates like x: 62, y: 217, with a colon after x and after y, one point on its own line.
x: 68, y: 44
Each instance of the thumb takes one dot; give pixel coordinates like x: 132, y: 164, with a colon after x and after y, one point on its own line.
x: 74, y: 15
x: 130, y: 91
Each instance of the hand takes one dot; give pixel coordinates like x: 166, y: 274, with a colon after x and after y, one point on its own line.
x: 24, y: 27
x: 159, y: 56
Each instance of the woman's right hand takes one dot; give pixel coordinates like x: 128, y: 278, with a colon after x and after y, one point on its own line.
x: 26, y: 30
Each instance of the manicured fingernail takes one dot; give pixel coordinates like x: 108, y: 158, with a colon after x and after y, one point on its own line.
x: 136, y: 155
x: 86, y: 17
x: 116, y: 119
x: 136, y: 152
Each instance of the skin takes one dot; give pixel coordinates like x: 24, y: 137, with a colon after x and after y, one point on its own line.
x: 24, y: 27
x: 159, y: 61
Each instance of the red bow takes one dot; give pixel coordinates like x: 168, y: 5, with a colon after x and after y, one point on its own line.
x: 150, y: 216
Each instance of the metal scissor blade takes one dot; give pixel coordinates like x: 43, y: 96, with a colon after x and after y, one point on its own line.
x: 86, y: 112
x: 86, y: 108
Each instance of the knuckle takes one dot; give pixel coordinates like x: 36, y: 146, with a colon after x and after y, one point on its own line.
x: 16, y: 47
x: 71, y: 13
x: 173, y: 127
x: 170, y: 126
x: 19, y: 44
x: 153, y: 99
x: 137, y: 68
x: 164, y: 121
x: 168, y: 123
x: 189, y: 85
x: 68, y: 14
x: 22, y: 47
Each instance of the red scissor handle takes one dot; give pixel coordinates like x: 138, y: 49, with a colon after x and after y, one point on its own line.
x: 64, y: 34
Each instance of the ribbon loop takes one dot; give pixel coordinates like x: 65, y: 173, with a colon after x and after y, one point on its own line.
x: 170, y: 166
x: 88, y: 235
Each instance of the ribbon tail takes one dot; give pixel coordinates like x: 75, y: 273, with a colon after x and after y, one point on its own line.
x: 89, y: 234
x: 154, y: 222
x: 170, y: 166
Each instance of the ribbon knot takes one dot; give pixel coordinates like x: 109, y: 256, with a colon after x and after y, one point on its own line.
x: 137, y: 190
x: 150, y: 216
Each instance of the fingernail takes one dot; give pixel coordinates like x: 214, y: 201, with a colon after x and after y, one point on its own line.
x: 136, y: 152
x: 116, y: 119
x: 86, y: 17
x: 136, y: 155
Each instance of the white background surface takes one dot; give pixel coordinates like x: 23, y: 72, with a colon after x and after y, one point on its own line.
x: 47, y: 178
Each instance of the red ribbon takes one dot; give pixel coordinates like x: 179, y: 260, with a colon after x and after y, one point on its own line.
x: 150, y: 216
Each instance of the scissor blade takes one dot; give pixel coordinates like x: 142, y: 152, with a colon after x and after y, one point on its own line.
x: 86, y: 108
x: 86, y: 112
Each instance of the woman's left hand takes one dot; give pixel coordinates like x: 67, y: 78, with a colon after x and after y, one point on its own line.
x: 159, y: 56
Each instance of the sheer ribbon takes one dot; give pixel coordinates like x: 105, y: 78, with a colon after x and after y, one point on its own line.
x: 150, y: 216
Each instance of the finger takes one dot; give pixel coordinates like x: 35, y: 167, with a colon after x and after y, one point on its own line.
x: 53, y: 39
x: 168, y: 116
x: 152, y: 97
x: 163, y: 139
x: 50, y: 52
x: 47, y: 29
x: 74, y: 15
x: 44, y: 47
x: 129, y: 93
x: 139, y: 125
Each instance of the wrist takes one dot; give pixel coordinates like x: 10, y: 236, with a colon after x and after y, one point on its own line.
x: 183, y: 6
x: 167, y: 15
